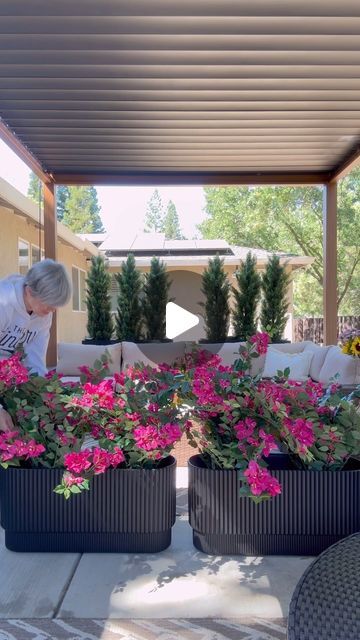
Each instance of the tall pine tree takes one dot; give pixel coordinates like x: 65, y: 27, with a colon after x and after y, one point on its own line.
x: 98, y: 300
x: 247, y: 296
x: 156, y: 296
x: 154, y: 217
x: 275, y: 304
x: 171, y: 225
x: 129, y: 312
x: 82, y: 211
x: 216, y: 289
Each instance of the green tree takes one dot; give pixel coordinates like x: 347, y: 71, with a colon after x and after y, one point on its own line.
x: 290, y: 219
x: 129, y: 313
x: 34, y: 188
x: 98, y: 300
x: 62, y: 195
x: 156, y: 296
x: 247, y: 296
x: 216, y: 289
x: 82, y: 211
x: 154, y: 217
x: 171, y: 224
x: 274, y: 305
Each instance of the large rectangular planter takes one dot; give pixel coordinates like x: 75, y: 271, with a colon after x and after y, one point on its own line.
x: 125, y: 510
x: 314, y: 510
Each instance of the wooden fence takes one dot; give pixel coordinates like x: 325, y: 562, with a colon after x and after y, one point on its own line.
x: 313, y: 328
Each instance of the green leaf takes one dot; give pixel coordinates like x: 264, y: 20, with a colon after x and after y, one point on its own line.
x: 59, y: 489
x: 75, y: 489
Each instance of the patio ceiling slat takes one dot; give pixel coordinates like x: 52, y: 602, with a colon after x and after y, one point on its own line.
x: 174, y: 86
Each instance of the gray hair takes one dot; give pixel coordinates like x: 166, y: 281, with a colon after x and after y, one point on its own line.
x: 49, y: 281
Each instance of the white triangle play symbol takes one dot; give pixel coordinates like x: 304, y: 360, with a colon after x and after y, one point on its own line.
x: 178, y: 320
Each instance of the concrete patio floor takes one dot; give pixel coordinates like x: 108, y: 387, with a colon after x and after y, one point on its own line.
x: 178, y: 593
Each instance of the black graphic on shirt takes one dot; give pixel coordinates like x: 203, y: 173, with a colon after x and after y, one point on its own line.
x: 12, y: 338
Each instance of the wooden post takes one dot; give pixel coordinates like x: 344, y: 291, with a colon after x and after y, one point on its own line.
x: 50, y: 245
x: 330, y: 263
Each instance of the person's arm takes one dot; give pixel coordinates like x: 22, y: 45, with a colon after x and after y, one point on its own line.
x: 35, y: 350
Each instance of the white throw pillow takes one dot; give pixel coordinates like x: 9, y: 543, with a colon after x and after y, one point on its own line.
x: 298, y: 363
x: 72, y: 356
x: 319, y: 355
x: 227, y: 351
x: 340, y: 363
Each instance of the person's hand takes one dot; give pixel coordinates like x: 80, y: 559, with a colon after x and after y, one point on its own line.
x: 6, y: 423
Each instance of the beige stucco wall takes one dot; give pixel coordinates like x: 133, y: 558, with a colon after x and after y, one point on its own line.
x: 71, y: 324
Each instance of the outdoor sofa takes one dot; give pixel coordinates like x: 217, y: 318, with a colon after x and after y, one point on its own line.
x: 322, y: 364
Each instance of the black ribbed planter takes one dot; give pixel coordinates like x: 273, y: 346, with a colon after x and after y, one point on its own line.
x: 126, y: 510
x: 314, y: 510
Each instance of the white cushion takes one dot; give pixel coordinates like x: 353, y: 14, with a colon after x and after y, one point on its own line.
x: 227, y: 351
x: 151, y: 353
x: 319, y: 355
x: 289, y: 347
x: 346, y: 366
x: 72, y: 356
x: 298, y: 363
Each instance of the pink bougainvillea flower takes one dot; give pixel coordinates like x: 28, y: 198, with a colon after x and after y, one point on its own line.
x: 261, y: 481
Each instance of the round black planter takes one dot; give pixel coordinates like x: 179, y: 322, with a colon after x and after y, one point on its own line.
x: 314, y: 510
x: 126, y: 510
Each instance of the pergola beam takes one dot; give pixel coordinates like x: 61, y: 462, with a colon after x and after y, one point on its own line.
x: 197, y: 178
x: 330, y: 263
x: 50, y: 244
x: 50, y: 234
x: 349, y: 163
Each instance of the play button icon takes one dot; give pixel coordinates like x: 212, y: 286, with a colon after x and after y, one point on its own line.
x: 178, y: 320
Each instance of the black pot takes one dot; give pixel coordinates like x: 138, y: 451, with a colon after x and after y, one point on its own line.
x: 314, y: 510
x: 125, y: 510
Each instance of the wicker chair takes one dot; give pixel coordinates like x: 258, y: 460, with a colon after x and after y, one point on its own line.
x: 326, y: 602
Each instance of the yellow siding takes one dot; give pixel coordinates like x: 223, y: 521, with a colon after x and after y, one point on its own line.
x: 71, y: 324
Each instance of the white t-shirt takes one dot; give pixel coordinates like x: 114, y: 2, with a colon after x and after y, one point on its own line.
x: 17, y: 326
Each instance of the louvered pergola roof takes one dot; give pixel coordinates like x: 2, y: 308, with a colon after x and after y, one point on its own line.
x: 153, y: 91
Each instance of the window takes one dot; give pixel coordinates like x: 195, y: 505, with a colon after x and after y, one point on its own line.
x: 24, y: 257
x: 36, y: 254
x: 78, y: 284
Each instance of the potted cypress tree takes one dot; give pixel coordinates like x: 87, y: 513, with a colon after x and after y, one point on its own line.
x: 156, y: 296
x: 247, y: 296
x: 216, y: 289
x: 98, y: 301
x: 274, y: 307
x: 129, y: 312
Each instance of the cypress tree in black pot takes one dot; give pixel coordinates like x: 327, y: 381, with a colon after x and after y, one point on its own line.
x: 156, y: 296
x: 129, y: 313
x: 98, y: 301
x: 274, y: 307
x: 216, y: 289
x: 247, y: 296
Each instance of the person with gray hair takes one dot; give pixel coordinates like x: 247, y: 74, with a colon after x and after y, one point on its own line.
x: 26, y: 307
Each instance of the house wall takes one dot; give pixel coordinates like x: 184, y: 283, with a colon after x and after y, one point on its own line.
x: 71, y: 324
